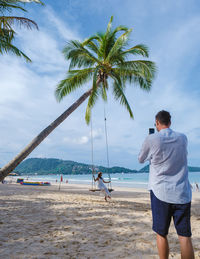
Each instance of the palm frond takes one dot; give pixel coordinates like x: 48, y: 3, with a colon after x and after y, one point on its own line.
x: 91, y: 102
x: 103, y: 92
x: 117, y: 77
x: 116, y: 59
x: 88, y: 114
x: 120, y: 28
x: 6, y: 22
x: 146, y: 67
x: 126, y: 74
x: 106, y: 43
x: 93, y: 97
x: 144, y: 83
x: 109, y: 26
x: 119, y: 44
x: 8, y: 5
x: 102, y: 45
x: 111, y: 38
x: 74, y: 80
x: 7, y: 35
x: 137, y: 50
x: 94, y: 46
x: 118, y: 91
x: 85, y: 42
x: 140, y: 72
x: 79, y: 56
x: 6, y: 46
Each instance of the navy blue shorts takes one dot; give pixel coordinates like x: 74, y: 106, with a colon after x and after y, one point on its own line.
x: 162, y: 212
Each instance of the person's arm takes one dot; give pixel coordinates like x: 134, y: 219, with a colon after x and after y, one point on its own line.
x: 95, y: 179
x: 105, y: 181
x: 144, y: 154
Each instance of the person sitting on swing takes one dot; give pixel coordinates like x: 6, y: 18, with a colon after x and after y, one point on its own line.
x: 102, y: 186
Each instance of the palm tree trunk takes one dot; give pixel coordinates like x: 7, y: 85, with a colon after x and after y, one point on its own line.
x: 36, y: 141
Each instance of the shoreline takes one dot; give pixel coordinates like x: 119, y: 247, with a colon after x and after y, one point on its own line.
x: 133, y: 185
x: 86, y: 186
x: 43, y: 222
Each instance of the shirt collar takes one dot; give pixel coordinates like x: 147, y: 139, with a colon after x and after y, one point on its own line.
x: 165, y: 130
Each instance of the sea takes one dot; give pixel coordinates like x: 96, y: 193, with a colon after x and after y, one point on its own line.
x: 133, y: 180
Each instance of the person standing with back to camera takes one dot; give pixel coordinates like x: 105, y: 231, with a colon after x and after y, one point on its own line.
x: 169, y: 186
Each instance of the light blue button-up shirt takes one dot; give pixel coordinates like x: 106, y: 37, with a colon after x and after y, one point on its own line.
x: 166, y: 151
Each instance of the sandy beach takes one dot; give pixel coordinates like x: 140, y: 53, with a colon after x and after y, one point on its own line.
x: 43, y: 222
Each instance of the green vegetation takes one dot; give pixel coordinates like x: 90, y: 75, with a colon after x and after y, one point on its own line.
x: 57, y: 166
x: 44, y: 166
x: 145, y: 169
x: 7, y: 32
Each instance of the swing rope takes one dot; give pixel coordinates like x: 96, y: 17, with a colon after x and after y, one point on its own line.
x: 107, y: 153
x: 92, y: 156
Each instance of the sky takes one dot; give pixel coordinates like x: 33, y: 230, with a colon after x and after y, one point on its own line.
x: 171, y: 30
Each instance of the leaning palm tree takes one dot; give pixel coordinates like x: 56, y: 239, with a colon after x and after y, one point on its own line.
x: 7, y: 32
x: 105, y: 60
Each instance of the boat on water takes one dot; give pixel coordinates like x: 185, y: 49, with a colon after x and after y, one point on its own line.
x: 36, y: 183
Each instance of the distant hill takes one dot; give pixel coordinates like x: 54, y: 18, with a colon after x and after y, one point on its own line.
x: 144, y: 169
x: 44, y: 166
x: 190, y: 168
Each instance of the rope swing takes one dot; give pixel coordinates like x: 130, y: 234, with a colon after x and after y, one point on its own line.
x: 107, y: 153
x: 109, y: 185
x: 92, y: 157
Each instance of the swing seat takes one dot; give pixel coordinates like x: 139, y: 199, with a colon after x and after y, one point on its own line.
x: 98, y: 190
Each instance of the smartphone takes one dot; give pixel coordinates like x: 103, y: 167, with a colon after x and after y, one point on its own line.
x: 151, y: 130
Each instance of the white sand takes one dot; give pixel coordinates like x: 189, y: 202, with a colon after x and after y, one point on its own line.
x: 42, y: 222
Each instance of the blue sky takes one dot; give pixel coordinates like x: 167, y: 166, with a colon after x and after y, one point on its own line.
x: 170, y: 29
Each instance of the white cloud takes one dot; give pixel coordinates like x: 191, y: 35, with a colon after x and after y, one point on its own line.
x: 83, y: 140
x: 97, y: 133
x: 27, y: 103
x: 65, y: 31
x: 77, y: 141
x: 27, y: 90
x: 73, y: 139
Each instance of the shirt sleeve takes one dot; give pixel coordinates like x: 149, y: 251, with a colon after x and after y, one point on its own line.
x: 186, y: 144
x: 144, y: 154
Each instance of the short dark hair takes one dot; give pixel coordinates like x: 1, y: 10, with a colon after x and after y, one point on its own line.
x: 163, y: 117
